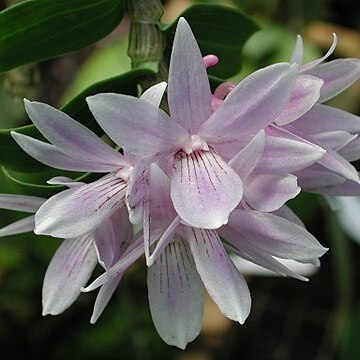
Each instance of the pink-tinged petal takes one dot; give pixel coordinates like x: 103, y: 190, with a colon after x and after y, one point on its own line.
x: 338, y: 75
x: 286, y: 152
x: 346, y: 188
x: 159, y: 213
x: 268, y: 192
x: 331, y: 159
x: 222, y: 280
x: 138, y: 190
x: 131, y: 255
x: 105, y: 293
x: 19, y: 227
x: 322, y: 118
x: 189, y: 93
x: 313, y: 64
x: 253, y: 104
x: 71, y: 137
x: 298, y: 52
x: 316, y: 176
x: 113, y: 237
x: 334, y: 162
x: 204, y: 189
x: 246, y: 160
x: 63, y: 180
x: 50, y: 155
x: 77, y: 211
x: 176, y: 295
x: 154, y: 94
x: 256, y: 256
x: 228, y: 150
x: 164, y: 240
x: 135, y: 125
x: 161, y: 206
x: 69, y: 270
x: 275, y: 235
x: 305, y: 94
x: 335, y: 140
x: 288, y: 214
x: 295, y: 269
x: 351, y: 152
x: 20, y: 202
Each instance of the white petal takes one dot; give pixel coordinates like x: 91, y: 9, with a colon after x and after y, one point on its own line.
x: 113, y: 237
x: 189, y: 93
x: 335, y: 162
x: 288, y: 214
x: 268, y: 192
x: 105, y: 293
x: 66, y: 181
x: 298, y: 52
x: 154, y: 94
x: 252, y: 105
x: 306, y: 67
x: 346, y: 188
x: 138, y: 190
x: 19, y: 227
x: 69, y: 136
x: 50, y: 155
x: 132, y: 253
x: 300, y: 153
x: 335, y: 140
x: 322, y: 118
x: 69, y: 270
x: 316, y: 176
x: 222, y: 280
x: 275, y: 235
x: 80, y: 210
x: 135, y: 125
x: 164, y: 240
x: 305, y: 94
x: 176, y: 295
x: 246, y: 160
x: 351, y: 152
x: 246, y: 251
x: 20, y: 202
x: 338, y: 75
x: 204, y: 189
x: 348, y: 214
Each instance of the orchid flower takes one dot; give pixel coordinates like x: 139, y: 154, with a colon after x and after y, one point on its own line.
x: 333, y: 129
x: 305, y: 119
x: 185, y: 257
x: 204, y: 188
x: 79, y: 210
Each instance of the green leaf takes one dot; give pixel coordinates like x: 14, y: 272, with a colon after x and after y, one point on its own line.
x: 12, y: 157
x: 35, y: 184
x: 36, y: 30
x: 103, y: 63
x: 219, y: 30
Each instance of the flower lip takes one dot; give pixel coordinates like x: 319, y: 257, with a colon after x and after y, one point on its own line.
x: 193, y: 143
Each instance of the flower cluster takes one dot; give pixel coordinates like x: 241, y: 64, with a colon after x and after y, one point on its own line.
x: 207, y: 179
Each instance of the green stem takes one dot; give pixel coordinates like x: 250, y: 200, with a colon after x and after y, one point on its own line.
x: 146, y: 41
